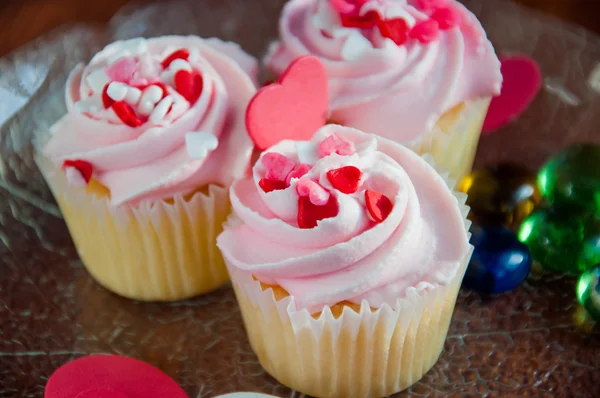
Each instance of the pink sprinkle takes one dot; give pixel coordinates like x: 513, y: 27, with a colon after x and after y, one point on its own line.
x: 446, y: 17
x: 343, y: 6
x: 122, y: 70
x: 298, y: 172
x: 425, y: 31
x: 429, y: 6
x: 278, y: 166
x: 335, y: 143
x: 318, y: 195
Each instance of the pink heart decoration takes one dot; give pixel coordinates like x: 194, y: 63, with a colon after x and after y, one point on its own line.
x: 277, y: 166
x: 122, y: 70
x: 318, y: 195
x: 295, y: 108
x: 335, y: 143
x: 522, y: 81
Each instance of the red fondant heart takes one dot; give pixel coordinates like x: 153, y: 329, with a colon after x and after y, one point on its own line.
x: 345, y: 179
x: 522, y: 81
x: 269, y: 185
x: 366, y: 21
x: 189, y: 84
x: 378, y: 205
x: 106, y: 100
x: 83, y: 167
x: 182, y: 53
x: 446, y: 17
x: 126, y: 113
x: 100, y: 375
x: 396, y: 29
x: 309, y: 214
x: 295, y: 108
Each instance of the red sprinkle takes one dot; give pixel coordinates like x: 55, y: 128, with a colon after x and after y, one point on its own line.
x: 83, y: 167
x: 425, y: 31
x: 163, y: 87
x: 106, y: 100
x: 378, y: 205
x: 446, y: 17
x: 396, y: 29
x: 345, y: 179
x: 309, y: 214
x: 189, y: 84
x: 268, y: 185
x: 366, y: 21
x: 126, y: 113
x: 429, y: 6
x: 182, y: 53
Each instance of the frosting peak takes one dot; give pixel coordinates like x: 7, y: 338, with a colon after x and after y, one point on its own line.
x: 155, y: 117
x: 366, y: 222
x: 390, y: 61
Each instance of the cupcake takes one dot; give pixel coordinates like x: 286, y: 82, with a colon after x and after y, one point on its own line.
x: 141, y: 163
x: 346, y: 252
x: 418, y: 72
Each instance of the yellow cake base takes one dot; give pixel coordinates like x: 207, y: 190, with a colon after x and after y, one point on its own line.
x: 161, y: 251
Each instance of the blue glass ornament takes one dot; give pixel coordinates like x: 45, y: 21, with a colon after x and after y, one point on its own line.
x: 499, y: 263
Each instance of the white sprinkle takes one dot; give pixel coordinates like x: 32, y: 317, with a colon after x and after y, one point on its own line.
x: 90, y: 104
x: 117, y: 91
x: 152, y: 94
x: 145, y: 108
x: 161, y: 109
x: 74, y: 177
x: 97, y: 80
x: 194, y: 55
x: 167, y: 77
x: 133, y: 95
x: 180, y: 106
x: 199, y: 144
x: 179, y: 64
x: 354, y: 47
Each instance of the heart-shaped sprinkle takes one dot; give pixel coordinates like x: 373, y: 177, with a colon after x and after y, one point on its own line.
x: 122, y: 70
x: 84, y: 168
x: 298, y: 172
x: 335, y: 143
x: 396, y: 29
x: 446, y: 17
x: 182, y: 53
x: 429, y: 6
x: 309, y: 214
x: 277, y: 166
x: 378, y: 205
x: 295, y: 108
x: 318, y: 195
x: 268, y: 185
x: 367, y: 21
x: 125, y: 112
x: 199, y: 144
x: 189, y: 84
x: 106, y: 100
x: 425, y: 31
x: 522, y: 80
x: 345, y: 179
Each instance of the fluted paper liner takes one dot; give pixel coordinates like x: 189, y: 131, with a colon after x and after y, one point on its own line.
x: 453, y: 140
x: 159, y: 251
x: 370, y: 353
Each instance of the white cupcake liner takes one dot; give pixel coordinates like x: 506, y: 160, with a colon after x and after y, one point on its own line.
x: 154, y: 251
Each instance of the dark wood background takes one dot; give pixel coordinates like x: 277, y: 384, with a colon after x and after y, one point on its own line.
x: 24, y: 20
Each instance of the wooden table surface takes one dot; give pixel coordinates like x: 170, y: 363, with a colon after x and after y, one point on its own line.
x: 24, y: 20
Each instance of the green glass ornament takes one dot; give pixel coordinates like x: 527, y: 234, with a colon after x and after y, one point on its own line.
x: 563, y: 241
x: 588, y: 292
x: 501, y: 195
x: 572, y: 178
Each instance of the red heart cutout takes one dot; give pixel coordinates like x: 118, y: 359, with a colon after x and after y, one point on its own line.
x: 269, y: 185
x: 295, y: 108
x: 100, y: 375
x: 83, y: 167
x: 345, y: 179
x: 309, y: 214
x: 126, y: 113
x: 396, y: 29
x: 522, y: 81
x: 378, y: 205
x: 182, y: 53
x: 189, y: 84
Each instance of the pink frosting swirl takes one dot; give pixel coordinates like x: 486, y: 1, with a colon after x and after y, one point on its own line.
x: 349, y: 256
x: 179, y: 124
x: 376, y: 84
